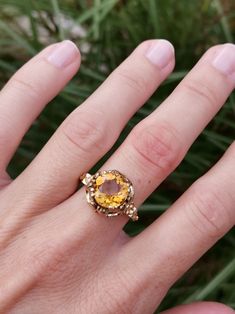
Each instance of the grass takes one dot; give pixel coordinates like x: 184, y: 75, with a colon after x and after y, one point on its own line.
x: 108, y: 31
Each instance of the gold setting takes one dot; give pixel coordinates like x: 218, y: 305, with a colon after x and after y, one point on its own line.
x: 117, y: 202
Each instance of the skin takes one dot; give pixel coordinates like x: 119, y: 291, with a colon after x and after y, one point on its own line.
x: 56, y: 254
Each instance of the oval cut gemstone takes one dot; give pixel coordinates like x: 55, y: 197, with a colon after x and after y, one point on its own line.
x: 111, y: 190
x: 110, y: 187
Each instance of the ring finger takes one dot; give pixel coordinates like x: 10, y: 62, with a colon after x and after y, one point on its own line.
x: 158, y: 144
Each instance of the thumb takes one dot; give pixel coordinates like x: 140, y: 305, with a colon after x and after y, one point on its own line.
x: 201, y: 308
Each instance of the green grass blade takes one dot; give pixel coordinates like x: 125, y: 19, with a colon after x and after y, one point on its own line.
x: 224, y: 21
x: 17, y: 38
x: 58, y: 16
x: 214, y: 284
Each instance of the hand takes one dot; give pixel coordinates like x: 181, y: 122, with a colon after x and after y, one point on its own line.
x: 56, y: 254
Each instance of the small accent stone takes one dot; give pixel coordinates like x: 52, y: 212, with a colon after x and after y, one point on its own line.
x: 86, y: 178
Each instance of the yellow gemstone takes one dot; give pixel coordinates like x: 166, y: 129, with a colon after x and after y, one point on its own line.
x: 111, y: 190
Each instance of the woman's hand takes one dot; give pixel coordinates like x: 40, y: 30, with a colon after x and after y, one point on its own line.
x: 56, y: 254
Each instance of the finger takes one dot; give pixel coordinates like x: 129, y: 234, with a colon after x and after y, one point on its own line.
x: 173, y: 243
x: 157, y: 145
x: 147, y: 156
x: 30, y: 89
x: 201, y: 308
x: 92, y: 129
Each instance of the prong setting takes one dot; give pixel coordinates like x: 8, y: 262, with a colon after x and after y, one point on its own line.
x: 117, y: 203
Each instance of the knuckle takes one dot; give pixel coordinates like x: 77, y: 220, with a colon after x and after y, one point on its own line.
x: 202, y: 91
x: 87, y: 132
x: 49, y: 257
x: 208, y: 212
x: 125, y: 285
x: 157, y: 146
x: 133, y: 79
x: 24, y: 87
x: 120, y: 290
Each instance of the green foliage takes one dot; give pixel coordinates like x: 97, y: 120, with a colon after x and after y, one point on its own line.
x: 108, y: 31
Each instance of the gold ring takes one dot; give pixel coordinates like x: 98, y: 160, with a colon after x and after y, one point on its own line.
x: 110, y: 193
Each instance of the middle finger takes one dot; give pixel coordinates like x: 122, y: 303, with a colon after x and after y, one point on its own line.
x: 90, y: 131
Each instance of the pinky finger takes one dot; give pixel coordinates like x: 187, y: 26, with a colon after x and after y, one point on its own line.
x: 199, y: 218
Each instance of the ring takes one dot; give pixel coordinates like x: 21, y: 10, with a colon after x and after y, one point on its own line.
x: 110, y: 193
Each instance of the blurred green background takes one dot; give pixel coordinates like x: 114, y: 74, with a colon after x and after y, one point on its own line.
x: 106, y: 32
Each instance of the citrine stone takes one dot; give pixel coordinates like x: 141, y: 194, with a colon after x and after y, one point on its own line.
x: 111, y: 190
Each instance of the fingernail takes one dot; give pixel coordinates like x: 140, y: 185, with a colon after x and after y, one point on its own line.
x: 64, y: 54
x: 160, y: 53
x: 225, y: 60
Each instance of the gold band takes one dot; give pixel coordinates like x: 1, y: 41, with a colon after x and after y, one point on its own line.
x: 110, y: 193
